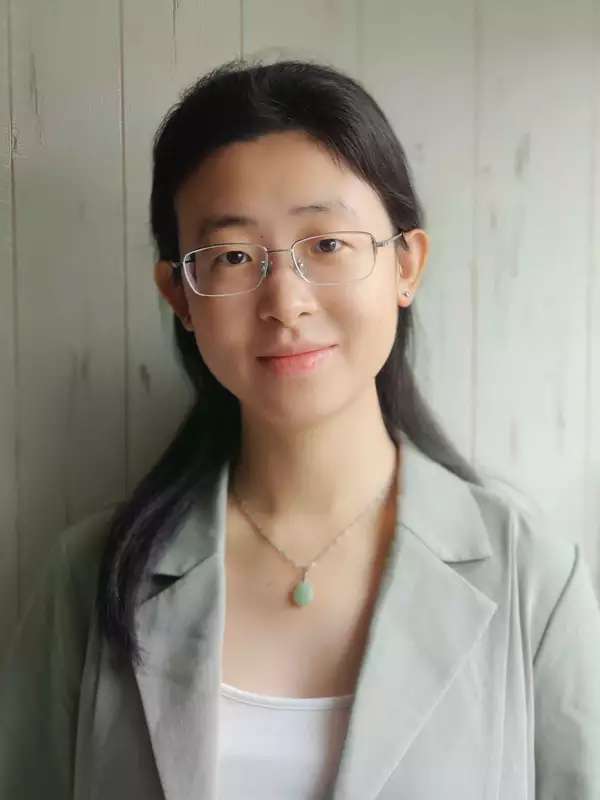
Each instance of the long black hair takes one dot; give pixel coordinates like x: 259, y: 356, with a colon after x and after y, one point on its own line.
x: 239, y: 101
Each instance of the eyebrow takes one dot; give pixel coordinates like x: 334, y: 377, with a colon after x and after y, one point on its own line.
x: 215, y: 223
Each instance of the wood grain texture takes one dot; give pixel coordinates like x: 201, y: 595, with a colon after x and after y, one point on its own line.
x: 498, y: 109
x: 325, y: 31
x: 533, y: 252
x: 592, y: 452
x: 9, y: 564
x: 68, y: 238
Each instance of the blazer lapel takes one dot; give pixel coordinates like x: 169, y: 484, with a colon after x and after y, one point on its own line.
x: 181, y: 628
x: 414, y: 647
x: 426, y: 620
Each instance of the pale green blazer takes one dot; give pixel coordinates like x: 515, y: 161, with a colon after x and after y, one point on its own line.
x: 480, y: 680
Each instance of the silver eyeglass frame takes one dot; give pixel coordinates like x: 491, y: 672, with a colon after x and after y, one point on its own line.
x: 266, y: 263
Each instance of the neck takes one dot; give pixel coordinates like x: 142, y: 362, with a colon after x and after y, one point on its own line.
x: 320, y: 474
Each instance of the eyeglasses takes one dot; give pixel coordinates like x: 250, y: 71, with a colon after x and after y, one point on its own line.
x: 328, y: 259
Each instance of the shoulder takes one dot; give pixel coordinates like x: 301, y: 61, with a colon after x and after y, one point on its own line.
x: 75, y: 557
x: 524, y: 535
x: 528, y: 560
x: 82, y: 541
x: 53, y: 629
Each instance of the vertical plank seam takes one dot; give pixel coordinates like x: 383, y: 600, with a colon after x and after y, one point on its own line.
x: 593, y: 270
x: 475, y: 231
x: 126, y: 337
x: 360, y: 35
x: 17, y: 521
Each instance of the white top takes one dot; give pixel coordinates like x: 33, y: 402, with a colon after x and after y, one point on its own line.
x: 279, y: 747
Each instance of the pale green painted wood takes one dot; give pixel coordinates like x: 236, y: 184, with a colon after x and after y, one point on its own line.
x: 69, y: 245
x: 592, y: 454
x: 9, y: 600
x: 533, y: 250
x: 498, y: 111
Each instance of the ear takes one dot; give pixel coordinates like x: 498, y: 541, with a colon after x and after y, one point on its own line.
x: 172, y: 292
x: 410, y: 264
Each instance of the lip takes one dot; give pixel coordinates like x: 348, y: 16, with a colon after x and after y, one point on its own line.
x: 294, y: 351
x: 297, y: 364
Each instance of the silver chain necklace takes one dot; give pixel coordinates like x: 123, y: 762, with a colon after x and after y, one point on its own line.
x: 304, y: 591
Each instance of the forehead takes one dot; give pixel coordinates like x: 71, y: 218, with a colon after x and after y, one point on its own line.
x: 269, y: 176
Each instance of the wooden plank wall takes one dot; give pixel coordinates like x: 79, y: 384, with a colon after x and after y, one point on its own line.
x: 498, y: 108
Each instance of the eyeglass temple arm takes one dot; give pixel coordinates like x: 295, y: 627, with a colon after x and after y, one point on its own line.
x: 384, y: 242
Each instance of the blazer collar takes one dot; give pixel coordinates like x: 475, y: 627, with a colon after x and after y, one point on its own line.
x: 414, y: 646
x: 436, y: 506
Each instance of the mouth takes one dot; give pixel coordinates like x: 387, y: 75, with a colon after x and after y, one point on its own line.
x: 297, y: 364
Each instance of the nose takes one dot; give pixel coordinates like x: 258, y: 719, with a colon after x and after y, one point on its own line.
x: 286, y: 295
x: 281, y: 250
x: 287, y: 264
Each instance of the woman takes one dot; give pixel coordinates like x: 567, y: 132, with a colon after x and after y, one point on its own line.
x: 311, y: 594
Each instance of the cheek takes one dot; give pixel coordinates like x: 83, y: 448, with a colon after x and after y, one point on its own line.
x: 369, y: 334
x: 365, y: 328
x: 211, y: 343
x: 222, y: 344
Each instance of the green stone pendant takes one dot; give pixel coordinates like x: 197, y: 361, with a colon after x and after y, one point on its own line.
x: 303, y: 593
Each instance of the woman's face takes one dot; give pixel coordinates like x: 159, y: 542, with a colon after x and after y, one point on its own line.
x: 264, y: 179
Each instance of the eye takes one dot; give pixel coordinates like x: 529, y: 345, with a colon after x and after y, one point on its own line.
x: 329, y: 246
x: 232, y: 258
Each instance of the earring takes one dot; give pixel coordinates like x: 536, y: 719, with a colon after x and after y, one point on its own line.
x: 406, y: 294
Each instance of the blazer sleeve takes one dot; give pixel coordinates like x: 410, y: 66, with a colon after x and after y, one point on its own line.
x: 40, y: 676
x: 566, y: 670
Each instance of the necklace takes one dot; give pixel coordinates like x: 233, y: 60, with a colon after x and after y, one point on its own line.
x: 304, y: 591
